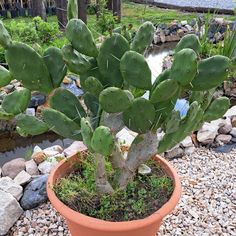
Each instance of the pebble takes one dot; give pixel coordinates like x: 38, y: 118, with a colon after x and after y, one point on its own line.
x: 206, y: 208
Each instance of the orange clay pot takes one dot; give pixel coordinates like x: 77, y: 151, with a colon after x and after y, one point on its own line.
x: 82, y: 225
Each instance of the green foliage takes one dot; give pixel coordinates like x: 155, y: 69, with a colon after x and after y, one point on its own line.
x: 17, y: 101
x: 102, y: 141
x: 72, y: 11
x: 5, y: 77
x: 30, y: 125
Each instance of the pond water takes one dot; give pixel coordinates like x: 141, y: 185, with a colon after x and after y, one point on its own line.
x: 12, y: 147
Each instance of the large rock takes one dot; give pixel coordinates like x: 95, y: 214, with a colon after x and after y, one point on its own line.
x: 10, y: 211
x: 231, y: 112
x: 53, y: 151
x: 46, y: 166
x: 22, y: 178
x: 74, y: 148
x: 225, y: 126
x: 39, y: 157
x: 175, y: 152
x: 35, y: 193
x: 233, y: 132
x: 31, y: 167
x: 207, y: 133
x: 8, y: 185
x: 13, y: 168
x: 187, y: 142
x: 223, y: 138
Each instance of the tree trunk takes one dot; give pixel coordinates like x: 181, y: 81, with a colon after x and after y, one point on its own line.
x: 61, y: 6
x: 109, y: 5
x: 82, y: 10
x: 117, y: 9
x: 38, y: 9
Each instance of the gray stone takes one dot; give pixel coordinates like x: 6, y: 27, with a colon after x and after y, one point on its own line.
x: 35, y: 193
x: 13, y: 168
x: 74, y: 148
x: 9, y: 186
x: 31, y: 167
x: 174, y: 153
x: 231, y: 112
x: 223, y: 138
x: 187, y: 142
x: 46, y: 166
x: 225, y: 126
x: 10, y: 211
x: 207, y: 133
x: 53, y: 151
x: 37, y: 100
x: 22, y: 178
x: 233, y: 132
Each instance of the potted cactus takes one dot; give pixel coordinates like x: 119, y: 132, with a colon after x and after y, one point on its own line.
x: 114, y: 78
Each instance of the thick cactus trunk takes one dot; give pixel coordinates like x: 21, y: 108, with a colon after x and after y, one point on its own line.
x: 82, y: 12
x: 103, y: 186
x: 142, y: 149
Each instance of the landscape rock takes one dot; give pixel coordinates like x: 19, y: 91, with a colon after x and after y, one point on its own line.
x: 175, y: 152
x: 8, y: 185
x: 225, y: 126
x: 53, y: 151
x: 233, y: 121
x: 38, y: 157
x: 10, y: 211
x: 223, y: 138
x: 207, y: 133
x: 37, y: 100
x: 125, y: 137
x: 46, y: 166
x: 35, y: 193
x: 22, y: 178
x: 233, y: 132
x: 13, y: 168
x: 31, y: 167
x: 187, y: 142
x: 231, y: 112
x: 30, y: 112
x: 74, y: 148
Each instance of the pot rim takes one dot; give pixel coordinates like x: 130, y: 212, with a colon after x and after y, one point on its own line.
x: 99, y: 224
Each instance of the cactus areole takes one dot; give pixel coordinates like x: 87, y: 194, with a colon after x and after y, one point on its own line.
x: 110, y: 77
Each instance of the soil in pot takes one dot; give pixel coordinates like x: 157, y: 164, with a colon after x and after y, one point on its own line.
x: 142, y: 197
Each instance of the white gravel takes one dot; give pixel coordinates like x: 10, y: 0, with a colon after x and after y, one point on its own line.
x: 207, y: 206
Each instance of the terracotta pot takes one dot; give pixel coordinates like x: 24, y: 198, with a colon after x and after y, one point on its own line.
x: 82, y: 225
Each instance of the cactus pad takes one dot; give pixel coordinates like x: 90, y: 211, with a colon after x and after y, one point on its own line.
x: 113, y: 100
x: 217, y: 109
x: 91, y: 103
x: 143, y: 37
x: 211, y: 73
x: 135, y: 70
x: 81, y: 38
x: 28, y: 67
x: 55, y: 64
x: 184, y: 67
x: 164, y: 91
x: 87, y: 132
x: 189, y: 41
x: 30, y: 125
x: 61, y: 124
x: 109, y: 58
x: 5, y: 76
x: 76, y: 62
x: 140, y: 116
x: 17, y: 101
x: 72, y: 9
x: 5, y: 38
x: 67, y: 103
x: 93, y: 86
x: 103, y: 141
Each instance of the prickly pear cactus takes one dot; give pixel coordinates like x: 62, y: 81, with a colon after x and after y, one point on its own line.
x: 118, y: 92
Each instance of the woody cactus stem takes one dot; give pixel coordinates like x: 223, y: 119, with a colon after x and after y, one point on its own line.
x: 114, y: 78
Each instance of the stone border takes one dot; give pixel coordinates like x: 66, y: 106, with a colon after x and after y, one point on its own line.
x: 186, y: 8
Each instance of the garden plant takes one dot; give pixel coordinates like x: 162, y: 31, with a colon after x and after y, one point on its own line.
x: 114, y: 77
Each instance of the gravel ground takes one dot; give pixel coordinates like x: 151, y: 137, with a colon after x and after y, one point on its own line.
x: 218, y: 4
x: 207, y: 206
